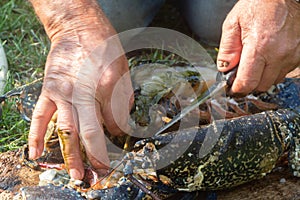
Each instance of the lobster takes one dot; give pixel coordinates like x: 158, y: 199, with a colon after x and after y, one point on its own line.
x: 219, y: 155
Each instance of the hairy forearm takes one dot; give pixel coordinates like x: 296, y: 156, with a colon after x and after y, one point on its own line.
x: 64, y: 16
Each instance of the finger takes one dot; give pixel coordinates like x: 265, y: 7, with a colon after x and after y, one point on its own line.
x: 269, y: 76
x: 230, y: 45
x: 116, y: 110
x: 99, y: 167
x: 42, y: 114
x: 290, y: 72
x: 91, y: 133
x: 249, y: 72
x: 280, y: 79
x: 69, y: 140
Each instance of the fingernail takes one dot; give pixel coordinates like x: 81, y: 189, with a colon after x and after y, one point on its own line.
x: 32, y: 153
x: 222, y: 64
x: 75, y: 174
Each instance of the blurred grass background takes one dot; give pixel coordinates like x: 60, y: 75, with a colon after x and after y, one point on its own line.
x: 26, y: 45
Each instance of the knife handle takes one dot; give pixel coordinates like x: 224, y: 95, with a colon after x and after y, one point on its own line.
x: 227, y: 76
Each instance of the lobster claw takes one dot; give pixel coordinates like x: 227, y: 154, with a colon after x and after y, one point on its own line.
x: 2, y: 98
x: 27, y: 97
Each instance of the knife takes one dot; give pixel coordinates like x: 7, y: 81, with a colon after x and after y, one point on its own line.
x: 224, y: 80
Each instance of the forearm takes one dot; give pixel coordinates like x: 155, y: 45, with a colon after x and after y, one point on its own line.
x: 65, y: 16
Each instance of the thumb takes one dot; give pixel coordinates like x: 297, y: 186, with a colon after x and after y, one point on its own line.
x: 231, y: 45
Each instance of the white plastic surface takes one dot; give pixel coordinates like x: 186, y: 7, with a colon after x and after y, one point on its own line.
x: 3, y: 69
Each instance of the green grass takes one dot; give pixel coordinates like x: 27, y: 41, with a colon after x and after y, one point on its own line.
x: 26, y: 46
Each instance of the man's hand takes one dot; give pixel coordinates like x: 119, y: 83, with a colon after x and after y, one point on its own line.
x: 263, y: 38
x: 82, y: 70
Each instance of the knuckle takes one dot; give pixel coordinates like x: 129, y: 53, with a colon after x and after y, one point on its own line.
x: 33, y: 138
x: 68, y: 128
x: 38, y: 114
x: 89, y: 135
x: 230, y: 24
x: 59, y: 87
x: 71, y: 157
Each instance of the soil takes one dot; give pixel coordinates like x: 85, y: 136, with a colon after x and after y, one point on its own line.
x: 280, y: 185
x: 13, y: 175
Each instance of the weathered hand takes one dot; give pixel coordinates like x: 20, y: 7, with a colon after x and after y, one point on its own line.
x: 264, y: 38
x: 82, y: 70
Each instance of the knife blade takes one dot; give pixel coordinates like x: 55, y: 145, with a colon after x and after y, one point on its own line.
x: 223, y: 81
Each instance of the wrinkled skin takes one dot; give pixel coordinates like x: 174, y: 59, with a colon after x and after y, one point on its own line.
x: 264, y: 38
x: 80, y: 78
x: 258, y: 34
